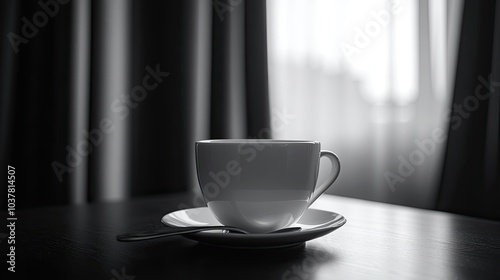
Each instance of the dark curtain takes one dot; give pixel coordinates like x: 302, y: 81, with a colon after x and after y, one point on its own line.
x: 103, y: 100
x: 470, y: 182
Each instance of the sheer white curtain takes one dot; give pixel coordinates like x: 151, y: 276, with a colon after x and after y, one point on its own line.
x: 369, y: 79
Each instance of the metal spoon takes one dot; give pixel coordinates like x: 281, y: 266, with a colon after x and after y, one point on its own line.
x: 172, y: 231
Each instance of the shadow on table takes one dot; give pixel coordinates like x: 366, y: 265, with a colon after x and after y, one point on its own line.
x: 200, y: 261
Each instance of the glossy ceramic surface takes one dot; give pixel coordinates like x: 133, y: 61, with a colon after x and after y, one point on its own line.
x: 314, y: 223
x: 260, y: 185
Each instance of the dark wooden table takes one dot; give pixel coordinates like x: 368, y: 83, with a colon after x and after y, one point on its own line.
x: 379, y: 241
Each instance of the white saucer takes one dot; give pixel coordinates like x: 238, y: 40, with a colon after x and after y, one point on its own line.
x: 314, y: 223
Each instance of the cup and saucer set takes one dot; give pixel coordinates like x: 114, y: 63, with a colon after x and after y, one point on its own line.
x: 264, y: 188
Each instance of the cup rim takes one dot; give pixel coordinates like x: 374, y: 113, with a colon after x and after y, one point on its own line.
x: 264, y: 141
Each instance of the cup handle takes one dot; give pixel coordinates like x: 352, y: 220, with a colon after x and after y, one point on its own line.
x: 319, y: 190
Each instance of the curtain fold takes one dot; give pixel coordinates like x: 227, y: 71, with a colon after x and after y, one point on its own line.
x: 106, y: 99
x: 9, y: 14
x: 228, y: 77
x: 80, y: 97
x: 470, y: 181
x: 35, y: 61
x: 240, y: 91
x: 110, y: 101
x: 256, y: 69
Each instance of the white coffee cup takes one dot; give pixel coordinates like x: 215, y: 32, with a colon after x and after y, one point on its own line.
x: 261, y: 185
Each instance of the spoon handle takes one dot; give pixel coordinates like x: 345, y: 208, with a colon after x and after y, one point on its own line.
x: 170, y: 231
